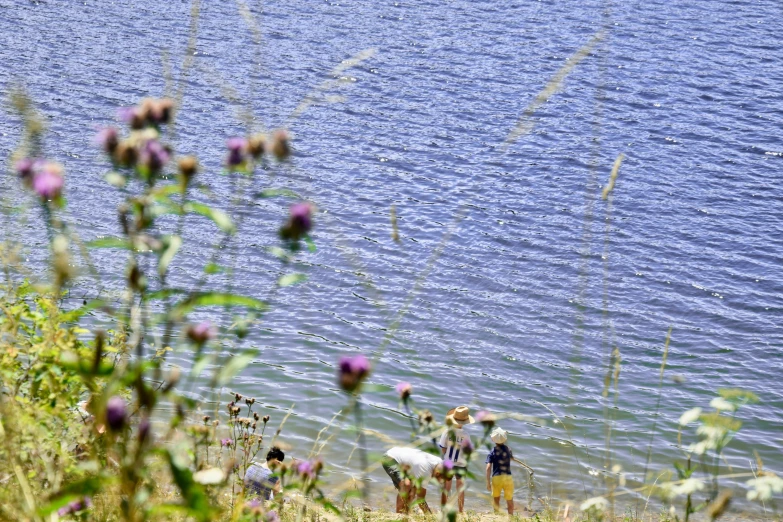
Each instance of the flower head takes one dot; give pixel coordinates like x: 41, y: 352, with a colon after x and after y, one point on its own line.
x: 353, y: 370
x: 227, y: 442
x: 201, y: 333
x: 237, y: 152
x: 25, y: 168
x: 272, y: 516
x: 305, y: 469
x: 486, y: 418
x: 75, y: 506
x: 280, y: 146
x: 153, y: 155
x: 404, y: 390
x: 108, y: 139
x: 132, y: 116
x: 115, y: 413
x: 300, y: 221
x: 467, y: 446
x: 47, y: 180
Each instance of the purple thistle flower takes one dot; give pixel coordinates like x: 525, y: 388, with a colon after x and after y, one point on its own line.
x: 108, y: 139
x: 305, y: 469
x: 75, y: 506
x: 255, y: 503
x: 237, y: 149
x: 467, y: 446
x: 486, y: 418
x: 48, y: 180
x: 302, y: 217
x: 153, y: 155
x: 272, y: 516
x: 201, y: 332
x: 115, y: 413
x: 24, y: 169
x: 227, y: 442
x: 404, y: 390
x: 448, y: 465
x: 300, y: 221
x: 353, y: 370
x: 132, y: 116
x: 125, y: 114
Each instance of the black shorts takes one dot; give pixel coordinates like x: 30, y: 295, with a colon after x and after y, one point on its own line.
x: 392, y: 469
x: 460, y: 472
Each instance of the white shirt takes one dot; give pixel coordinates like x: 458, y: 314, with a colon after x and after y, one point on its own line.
x: 421, y: 464
x: 453, y: 448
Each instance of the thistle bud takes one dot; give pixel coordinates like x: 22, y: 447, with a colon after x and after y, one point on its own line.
x: 206, y: 418
x: 280, y: 146
x: 265, y: 419
x: 256, y: 145
x: 115, y: 413
x: 188, y: 166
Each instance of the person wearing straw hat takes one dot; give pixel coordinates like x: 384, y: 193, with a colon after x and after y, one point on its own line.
x: 452, y: 444
x: 499, y: 471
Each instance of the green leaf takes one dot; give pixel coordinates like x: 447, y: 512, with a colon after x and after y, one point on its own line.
x: 74, y: 490
x: 110, y: 242
x: 279, y: 253
x: 74, y: 315
x: 273, y: 193
x: 213, y: 268
x: 200, y: 365
x: 377, y: 388
x: 163, y: 294
x: 195, y: 499
x: 291, y: 279
x: 216, y: 299
x: 116, y: 179
x: 234, y: 366
x: 310, y: 244
x: 220, y: 218
x: 174, y: 242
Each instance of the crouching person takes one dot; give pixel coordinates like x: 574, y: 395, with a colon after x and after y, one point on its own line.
x: 260, y: 479
x: 411, y: 470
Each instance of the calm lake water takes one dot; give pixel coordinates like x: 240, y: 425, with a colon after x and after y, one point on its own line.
x: 540, y: 280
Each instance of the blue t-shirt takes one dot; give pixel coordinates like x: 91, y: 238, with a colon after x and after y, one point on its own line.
x: 500, y: 457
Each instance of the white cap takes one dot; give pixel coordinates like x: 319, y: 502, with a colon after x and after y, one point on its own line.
x: 498, y: 435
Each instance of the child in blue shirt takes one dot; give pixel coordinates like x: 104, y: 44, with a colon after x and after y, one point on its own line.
x: 499, y: 471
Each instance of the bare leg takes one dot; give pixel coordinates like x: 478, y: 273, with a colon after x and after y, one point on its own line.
x: 461, y: 497
x: 496, y: 503
x: 510, y: 504
x: 403, y: 496
x: 444, y: 493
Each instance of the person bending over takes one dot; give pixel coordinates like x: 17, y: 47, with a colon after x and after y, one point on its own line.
x: 260, y: 479
x: 410, y: 470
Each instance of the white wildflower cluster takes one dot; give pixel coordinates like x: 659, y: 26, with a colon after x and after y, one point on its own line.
x: 763, y: 487
x: 595, y: 504
x: 721, y: 404
x: 689, y: 486
x: 689, y: 416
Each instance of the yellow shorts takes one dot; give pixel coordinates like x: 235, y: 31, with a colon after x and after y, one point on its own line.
x: 504, y: 482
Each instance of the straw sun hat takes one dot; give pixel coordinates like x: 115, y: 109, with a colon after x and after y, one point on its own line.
x: 460, y: 415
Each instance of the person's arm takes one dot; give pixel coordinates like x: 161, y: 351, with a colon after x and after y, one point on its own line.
x: 443, y: 442
x: 421, y: 495
x: 489, y: 474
